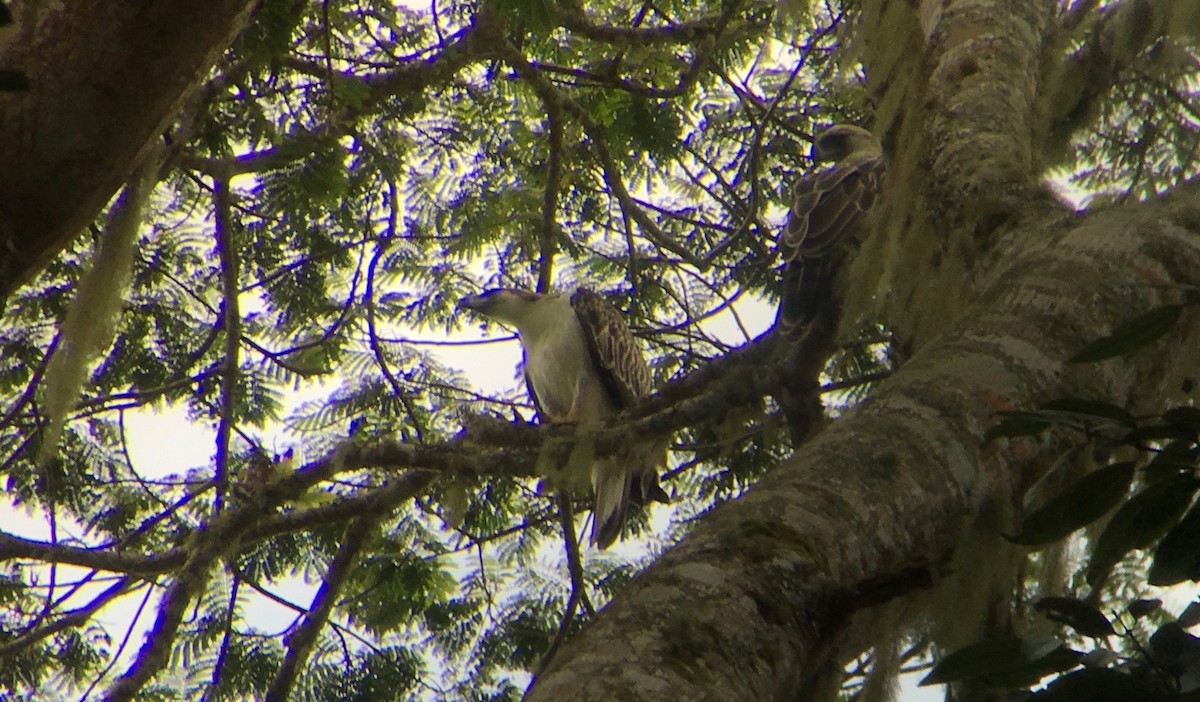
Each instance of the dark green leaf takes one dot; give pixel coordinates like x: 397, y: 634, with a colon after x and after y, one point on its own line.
x: 1077, y: 614
x: 1170, y: 461
x: 1067, y: 411
x: 1092, y: 685
x: 1190, y: 616
x: 1178, y: 555
x: 1186, y: 418
x: 1140, y: 608
x: 1003, y: 662
x: 1130, y: 336
x: 1088, y: 410
x: 1158, y: 431
x: 1099, y: 658
x: 1083, y: 502
x: 1171, y: 644
x: 1145, y: 517
x: 977, y: 659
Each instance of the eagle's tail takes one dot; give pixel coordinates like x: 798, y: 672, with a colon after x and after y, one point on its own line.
x: 631, y: 477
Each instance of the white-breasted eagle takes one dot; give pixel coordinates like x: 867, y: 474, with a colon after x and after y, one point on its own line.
x: 583, y: 366
x: 826, y: 220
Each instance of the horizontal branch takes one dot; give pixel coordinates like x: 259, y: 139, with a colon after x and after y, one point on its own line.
x: 98, y: 559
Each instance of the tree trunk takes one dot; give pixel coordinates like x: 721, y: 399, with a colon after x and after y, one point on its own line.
x: 104, y: 81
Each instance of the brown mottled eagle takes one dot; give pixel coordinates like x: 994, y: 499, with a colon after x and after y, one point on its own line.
x: 583, y: 366
x: 826, y: 220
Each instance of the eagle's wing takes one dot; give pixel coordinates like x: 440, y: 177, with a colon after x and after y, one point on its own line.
x: 614, y: 351
x: 632, y: 475
x: 829, y: 205
x: 826, y: 216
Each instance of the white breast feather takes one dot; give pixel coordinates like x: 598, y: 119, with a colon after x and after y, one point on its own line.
x: 560, y: 367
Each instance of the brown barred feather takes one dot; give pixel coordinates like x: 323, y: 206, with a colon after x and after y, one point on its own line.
x: 631, y: 476
x: 826, y: 220
x: 614, y: 349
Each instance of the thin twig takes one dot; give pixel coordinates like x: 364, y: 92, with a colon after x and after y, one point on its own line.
x: 116, y: 656
x: 226, y: 637
x: 67, y: 620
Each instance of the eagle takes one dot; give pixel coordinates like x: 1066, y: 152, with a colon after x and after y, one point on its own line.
x: 826, y: 221
x: 583, y: 367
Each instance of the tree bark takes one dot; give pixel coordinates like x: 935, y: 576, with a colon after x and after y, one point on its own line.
x: 104, y: 80
x: 780, y: 586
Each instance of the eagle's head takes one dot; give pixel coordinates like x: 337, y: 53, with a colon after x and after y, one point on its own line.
x: 502, y: 304
x: 843, y: 140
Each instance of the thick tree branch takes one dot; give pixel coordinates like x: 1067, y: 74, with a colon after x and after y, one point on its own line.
x: 489, y: 447
x: 104, y: 80
x: 984, y: 79
x: 549, y: 234
x: 187, y: 582
x: 955, y: 84
x: 12, y: 547
x: 383, y: 499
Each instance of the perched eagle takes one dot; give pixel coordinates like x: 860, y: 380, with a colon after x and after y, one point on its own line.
x: 826, y: 221
x: 583, y: 366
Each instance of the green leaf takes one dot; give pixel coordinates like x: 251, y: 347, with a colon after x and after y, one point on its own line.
x: 1081, y: 503
x: 1009, y: 662
x: 1130, y: 336
x: 1177, y: 557
x: 1090, y: 410
x: 1170, y: 461
x: 1190, y: 616
x: 1145, y: 517
x: 1140, y: 608
x: 1068, y: 411
x: 1077, y: 614
x: 1171, y: 644
x: 1183, y: 418
x: 1092, y: 685
x: 977, y: 659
